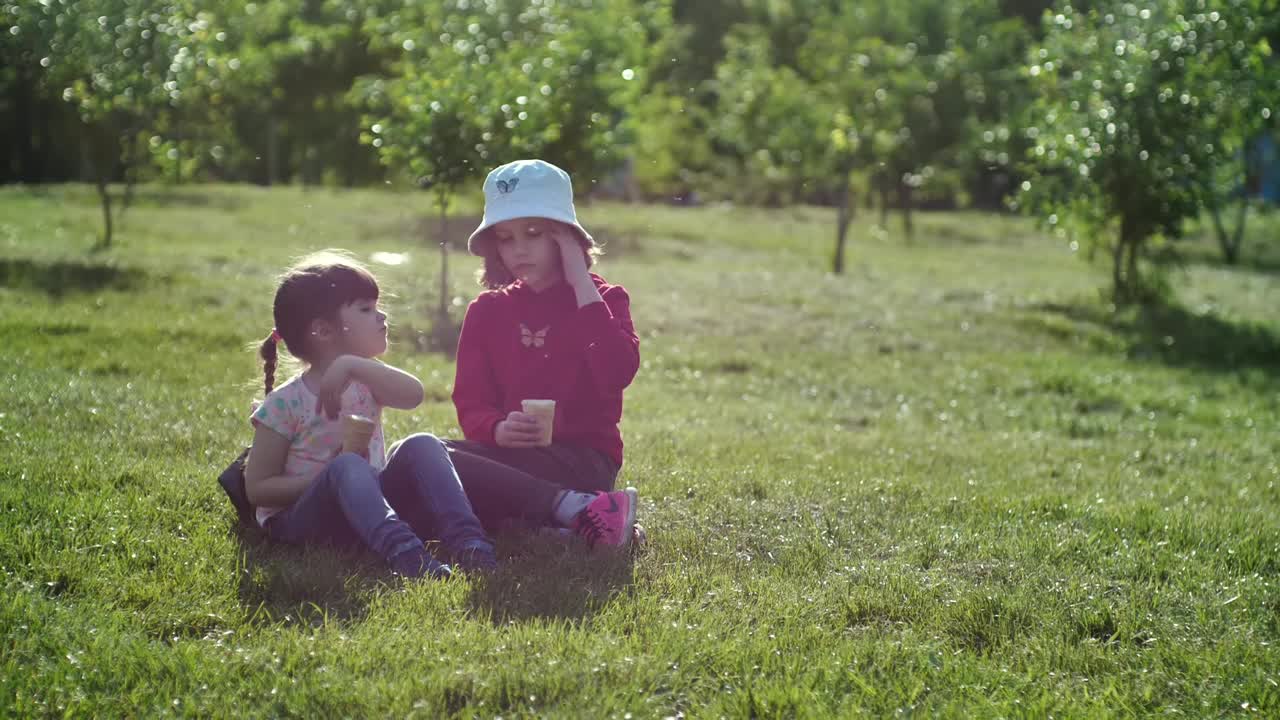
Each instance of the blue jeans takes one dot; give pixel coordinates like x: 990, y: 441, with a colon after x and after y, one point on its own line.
x: 418, y: 495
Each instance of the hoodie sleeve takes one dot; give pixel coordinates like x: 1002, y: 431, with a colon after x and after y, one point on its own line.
x: 475, y: 388
x: 609, y: 340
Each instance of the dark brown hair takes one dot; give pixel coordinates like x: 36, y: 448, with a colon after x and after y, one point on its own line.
x: 316, y: 288
x: 493, y: 274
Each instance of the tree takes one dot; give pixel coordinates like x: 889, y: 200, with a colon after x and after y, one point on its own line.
x: 998, y: 94
x: 474, y: 86
x: 273, y: 81
x: 1240, y: 84
x: 119, y: 63
x: 769, y: 118
x: 1126, y: 125
x: 872, y: 90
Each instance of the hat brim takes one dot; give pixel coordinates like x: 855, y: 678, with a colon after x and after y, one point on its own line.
x: 478, y: 238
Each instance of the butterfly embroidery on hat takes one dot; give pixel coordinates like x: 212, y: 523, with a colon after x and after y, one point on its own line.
x: 529, y: 338
x: 507, y: 186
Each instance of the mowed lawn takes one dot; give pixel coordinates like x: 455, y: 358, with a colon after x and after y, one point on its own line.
x: 949, y: 482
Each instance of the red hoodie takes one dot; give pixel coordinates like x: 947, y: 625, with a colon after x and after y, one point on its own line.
x: 518, y: 344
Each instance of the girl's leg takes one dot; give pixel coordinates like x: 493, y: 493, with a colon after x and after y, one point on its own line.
x: 522, y: 491
x: 501, y: 493
x: 422, y: 485
x: 346, y: 500
x: 575, y: 467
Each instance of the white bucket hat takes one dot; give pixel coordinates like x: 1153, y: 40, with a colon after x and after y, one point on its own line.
x: 526, y: 188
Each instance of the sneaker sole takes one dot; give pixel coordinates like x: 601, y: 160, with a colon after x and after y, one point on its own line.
x: 634, y: 497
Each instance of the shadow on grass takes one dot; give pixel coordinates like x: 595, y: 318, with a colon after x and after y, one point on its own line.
x: 283, y: 584
x: 1256, y: 261
x: 153, y: 196
x: 60, y: 278
x: 1171, y: 334
x: 550, y: 578
x: 538, y: 577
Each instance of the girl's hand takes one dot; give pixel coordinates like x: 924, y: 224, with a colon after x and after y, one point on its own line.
x: 517, y: 431
x: 332, y: 383
x: 572, y: 259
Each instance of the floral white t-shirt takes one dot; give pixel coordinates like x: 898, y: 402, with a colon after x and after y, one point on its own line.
x: 314, y: 439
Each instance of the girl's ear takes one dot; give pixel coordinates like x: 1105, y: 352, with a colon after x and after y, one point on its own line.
x: 322, y: 330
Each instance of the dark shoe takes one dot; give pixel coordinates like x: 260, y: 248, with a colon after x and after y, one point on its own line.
x: 476, y: 558
x: 419, y: 563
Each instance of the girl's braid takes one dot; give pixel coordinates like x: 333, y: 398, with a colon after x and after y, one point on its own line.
x: 268, y: 353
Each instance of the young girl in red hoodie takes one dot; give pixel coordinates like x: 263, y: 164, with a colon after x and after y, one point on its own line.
x: 549, y: 329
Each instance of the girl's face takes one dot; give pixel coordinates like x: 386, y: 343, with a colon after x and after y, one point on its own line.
x: 528, y: 249
x: 363, y: 328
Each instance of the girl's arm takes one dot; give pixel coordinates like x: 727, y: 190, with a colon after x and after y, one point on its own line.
x: 391, y: 386
x: 475, y: 387
x: 609, y: 340
x: 604, y: 320
x: 263, y: 481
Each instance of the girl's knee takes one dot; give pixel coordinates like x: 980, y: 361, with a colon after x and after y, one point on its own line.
x: 350, y: 469
x: 423, y: 442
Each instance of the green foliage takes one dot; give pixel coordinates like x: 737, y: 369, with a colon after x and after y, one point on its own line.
x: 125, y: 65
x: 476, y: 86
x: 1137, y: 111
x: 672, y: 151
x: 776, y: 122
x: 279, y: 107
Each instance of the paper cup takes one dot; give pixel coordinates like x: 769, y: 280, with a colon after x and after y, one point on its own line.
x: 545, y: 411
x: 357, y: 431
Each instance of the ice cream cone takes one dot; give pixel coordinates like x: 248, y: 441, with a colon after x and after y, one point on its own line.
x: 357, y: 431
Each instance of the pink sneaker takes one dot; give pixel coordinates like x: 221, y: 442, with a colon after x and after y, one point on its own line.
x: 610, y: 519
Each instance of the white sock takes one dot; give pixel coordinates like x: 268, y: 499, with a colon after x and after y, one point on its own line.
x: 568, y: 505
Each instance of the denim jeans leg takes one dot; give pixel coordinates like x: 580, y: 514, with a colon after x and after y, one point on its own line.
x: 421, y: 483
x: 346, y: 495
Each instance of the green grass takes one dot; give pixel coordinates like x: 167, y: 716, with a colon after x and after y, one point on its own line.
x: 951, y: 482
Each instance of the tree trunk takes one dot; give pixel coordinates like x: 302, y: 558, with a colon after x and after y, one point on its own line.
x: 96, y: 144
x: 1220, y: 231
x: 882, y: 184
x: 1237, y: 239
x: 105, y: 196
x: 904, y: 197
x: 1124, y: 272
x: 130, y: 170
x: 1131, y: 274
x: 1229, y: 242
x: 273, y: 150
x: 28, y: 108
x: 443, y: 202
x: 444, y: 335
x: 844, y: 215
x: 177, y: 159
x: 1117, y: 271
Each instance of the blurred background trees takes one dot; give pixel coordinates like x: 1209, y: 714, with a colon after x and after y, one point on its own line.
x: 1116, y: 123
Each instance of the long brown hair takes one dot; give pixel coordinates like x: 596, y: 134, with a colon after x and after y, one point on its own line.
x: 315, y: 288
x: 493, y: 274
